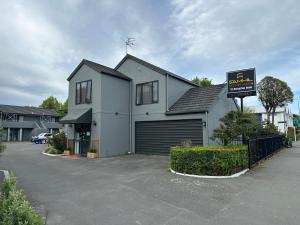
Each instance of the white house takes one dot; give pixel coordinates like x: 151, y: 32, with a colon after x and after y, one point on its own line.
x: 283, y: 117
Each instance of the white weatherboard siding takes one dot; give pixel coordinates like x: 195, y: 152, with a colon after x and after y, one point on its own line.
x: 283, y: 118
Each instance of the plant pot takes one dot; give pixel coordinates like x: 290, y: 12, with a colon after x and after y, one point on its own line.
x: 92, y: 155
x: 67, y: 152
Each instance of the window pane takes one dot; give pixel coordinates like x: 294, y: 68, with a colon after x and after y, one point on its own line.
x: 83, y: 91
x: 89, y: 92
x: 155, y: 91
x: 147, y: 93
x: 138, y: 94
x: 77, y: 93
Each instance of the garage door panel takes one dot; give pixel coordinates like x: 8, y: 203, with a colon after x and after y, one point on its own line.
x: 156, y: 137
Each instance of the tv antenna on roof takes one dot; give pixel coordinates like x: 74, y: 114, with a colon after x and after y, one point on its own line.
x: 129, y: 42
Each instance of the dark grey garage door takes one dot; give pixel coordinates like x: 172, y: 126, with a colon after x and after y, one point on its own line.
x: 156, y: 137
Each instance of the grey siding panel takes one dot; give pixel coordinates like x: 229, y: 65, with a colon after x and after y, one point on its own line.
x: 176, y: 89
x: 114, y: 138
x: 156, y: 137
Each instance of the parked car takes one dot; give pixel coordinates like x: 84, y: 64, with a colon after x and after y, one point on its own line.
x: 41, y: 138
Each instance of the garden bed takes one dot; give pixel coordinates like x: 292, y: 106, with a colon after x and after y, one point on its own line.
x: 209, y: 160
x: 14, y: 207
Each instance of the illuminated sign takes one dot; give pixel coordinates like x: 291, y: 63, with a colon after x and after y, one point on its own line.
x: 241, y: 83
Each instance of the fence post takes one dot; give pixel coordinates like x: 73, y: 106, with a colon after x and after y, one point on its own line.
x: 249, y: 155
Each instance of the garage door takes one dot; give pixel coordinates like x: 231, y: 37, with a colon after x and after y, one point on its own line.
x: 156, y: 137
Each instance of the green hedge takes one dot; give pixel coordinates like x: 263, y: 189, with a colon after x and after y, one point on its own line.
x: 210, y: 160
x: 14, y: 208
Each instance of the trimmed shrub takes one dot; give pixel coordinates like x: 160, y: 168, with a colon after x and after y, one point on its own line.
x: 59, y: 142
x: 209, y: 160
x: 93, y: 150
x: 14, y: 208
x: 51, y: 150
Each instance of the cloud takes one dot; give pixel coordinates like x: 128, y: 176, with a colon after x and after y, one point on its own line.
x: 42, y: 42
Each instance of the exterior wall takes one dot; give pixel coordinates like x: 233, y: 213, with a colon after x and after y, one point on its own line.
x: 219, y: 108
x: 156, y: 111
x: 83, y: 74
x: 176, y: 89
x: 115, y: 106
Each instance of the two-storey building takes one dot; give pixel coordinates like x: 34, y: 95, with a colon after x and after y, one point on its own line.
x: 20, y: 123
x: 138, y: 107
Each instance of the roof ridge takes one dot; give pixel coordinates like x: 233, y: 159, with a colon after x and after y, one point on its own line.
x: 98, y: 68
x: 153, y: 67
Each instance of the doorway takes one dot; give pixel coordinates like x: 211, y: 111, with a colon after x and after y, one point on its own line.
x: 82, y: 138
x: 14, y: 134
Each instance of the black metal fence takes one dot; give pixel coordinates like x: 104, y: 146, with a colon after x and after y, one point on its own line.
x: 260, y: 148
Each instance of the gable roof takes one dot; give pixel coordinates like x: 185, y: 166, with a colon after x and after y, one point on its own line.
x: 27, y: 110
x: 196, y: 100
x: 100, y: 69
x: 155, y: 68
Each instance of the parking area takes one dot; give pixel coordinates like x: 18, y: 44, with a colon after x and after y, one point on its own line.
x: 139, y: 189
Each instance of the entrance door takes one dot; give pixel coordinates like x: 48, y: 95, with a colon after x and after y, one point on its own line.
x: 82, y: 138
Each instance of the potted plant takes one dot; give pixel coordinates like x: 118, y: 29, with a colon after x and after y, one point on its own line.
x: 67, y: 151
x: 92, y: 153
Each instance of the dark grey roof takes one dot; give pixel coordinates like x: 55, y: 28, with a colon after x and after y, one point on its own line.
x: 196, y: 100
x: 155, y: 68
x: 27, y: 110
x: 78, y: 116
x: 99, y: 68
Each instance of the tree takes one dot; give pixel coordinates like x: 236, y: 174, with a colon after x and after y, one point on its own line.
x: 63, y: 109
x: 50, y: 103
x: 273, y: 93
x: 233, y: 125
x: 236, y: 123
x: 203, y: 82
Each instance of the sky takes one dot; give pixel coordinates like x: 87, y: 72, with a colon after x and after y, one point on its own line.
x: 41, y: 42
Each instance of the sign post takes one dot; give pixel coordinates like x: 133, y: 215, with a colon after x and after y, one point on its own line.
x: 241, y: 84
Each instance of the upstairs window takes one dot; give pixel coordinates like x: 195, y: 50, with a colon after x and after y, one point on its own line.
x: 84, y: 92
x: 147, y: 93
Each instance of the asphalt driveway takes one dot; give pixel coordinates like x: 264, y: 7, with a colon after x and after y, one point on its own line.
x: 139, y: 189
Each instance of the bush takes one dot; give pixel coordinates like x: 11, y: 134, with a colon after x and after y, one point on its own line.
x: 51, y: 150
x: 59, y: 142
x: 93, y: 150
x: 210, y: 160
x: 14, y: 208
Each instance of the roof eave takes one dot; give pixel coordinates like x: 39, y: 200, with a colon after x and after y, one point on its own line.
x: 117, y: 76
x: 169, y: 113
x: 75, y: 70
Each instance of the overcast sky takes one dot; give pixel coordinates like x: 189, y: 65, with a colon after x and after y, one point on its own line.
x: 41, y: 42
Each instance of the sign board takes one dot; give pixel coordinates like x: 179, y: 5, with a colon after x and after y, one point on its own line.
x: 296, y: 121
x: 241, y: 83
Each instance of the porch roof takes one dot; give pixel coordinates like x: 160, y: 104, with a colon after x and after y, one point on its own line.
x: 78, y: 116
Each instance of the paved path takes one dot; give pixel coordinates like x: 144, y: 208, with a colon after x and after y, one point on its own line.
x: 139, y: 190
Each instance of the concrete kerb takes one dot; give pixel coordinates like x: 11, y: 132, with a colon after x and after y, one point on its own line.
x: 6, y: 173
x: 52, y: 155
x: 213, y: 177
